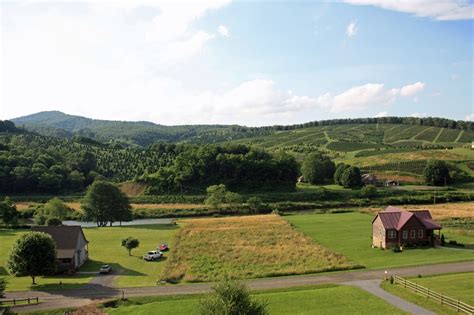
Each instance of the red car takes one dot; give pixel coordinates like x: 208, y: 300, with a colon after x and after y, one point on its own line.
x: 163, y: 247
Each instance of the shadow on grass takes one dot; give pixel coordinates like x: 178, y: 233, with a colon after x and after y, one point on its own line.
x: 94, y: 265
x: 165, y: 227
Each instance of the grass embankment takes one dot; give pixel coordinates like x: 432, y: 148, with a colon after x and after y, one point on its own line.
x: 104, y: 248
x: 458, y: 286
x: 246, y: 247
x: 329, y: 299
x: 349, y: 234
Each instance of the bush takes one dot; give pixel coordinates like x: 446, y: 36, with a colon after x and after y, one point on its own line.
x: 396, y: 249
x: 53, y: 222
x: 231, y: 298
x: 368, y: 191
x: 443, y: 242
x: 3, y: 286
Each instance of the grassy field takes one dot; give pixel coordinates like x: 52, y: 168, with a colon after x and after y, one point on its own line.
x: 458, y: 286
x: 328, y: 299
x: 245, y: 247
x: 349, y: 234
x: 408, y: 295
x: 104, y: 247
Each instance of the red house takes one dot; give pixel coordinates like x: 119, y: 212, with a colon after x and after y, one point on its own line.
x: 398, y: 227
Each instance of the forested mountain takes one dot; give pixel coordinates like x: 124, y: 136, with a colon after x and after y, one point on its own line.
x: 142, y: 133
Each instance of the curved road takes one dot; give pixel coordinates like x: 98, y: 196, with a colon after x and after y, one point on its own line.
x: 97, y: 291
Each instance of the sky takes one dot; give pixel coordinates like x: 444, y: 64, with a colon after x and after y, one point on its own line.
x: 252, y: 63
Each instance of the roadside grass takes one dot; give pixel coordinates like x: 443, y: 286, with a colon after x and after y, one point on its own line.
x: 419, y: 300
x: 245, y: 247
x: 326, y: 299
x: 104, y: 248
x: 349, y: 234
x: 457, y: 286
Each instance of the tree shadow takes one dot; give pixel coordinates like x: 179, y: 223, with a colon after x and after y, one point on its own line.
x: 166, y: 227
x: 94, y: 266
x: 87, y: 291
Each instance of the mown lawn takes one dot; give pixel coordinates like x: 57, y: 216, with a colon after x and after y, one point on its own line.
x: 104, y: 248
x: 313, y: 300
x: 458, y: 286
x: 350, y: 234
x: 246, y: 247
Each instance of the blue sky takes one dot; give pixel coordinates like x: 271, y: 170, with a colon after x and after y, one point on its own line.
x: 251, y: 63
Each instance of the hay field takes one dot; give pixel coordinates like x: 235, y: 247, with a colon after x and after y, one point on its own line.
x: 245, y: 247
x: 440, y: 211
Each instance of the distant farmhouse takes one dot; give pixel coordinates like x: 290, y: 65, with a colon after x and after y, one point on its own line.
x: 398, y: 227
x: 369, y: 179
x: 71, y: 245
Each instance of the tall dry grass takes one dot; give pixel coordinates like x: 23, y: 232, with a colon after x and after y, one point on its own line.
x: 245, y: 247
x: 439, y: 211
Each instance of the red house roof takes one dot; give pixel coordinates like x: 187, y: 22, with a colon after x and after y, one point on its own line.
x: 394, y: 218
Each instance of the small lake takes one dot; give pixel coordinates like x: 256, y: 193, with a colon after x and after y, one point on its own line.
x: 134, y: 222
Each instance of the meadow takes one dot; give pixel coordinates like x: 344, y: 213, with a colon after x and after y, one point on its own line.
x: 104, y: 248
x: 349, y: 234
x: 245, y: 247
x: 327, y: 299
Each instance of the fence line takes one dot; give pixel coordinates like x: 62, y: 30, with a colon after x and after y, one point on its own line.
x: 16, y: 301
x: 458, y: 305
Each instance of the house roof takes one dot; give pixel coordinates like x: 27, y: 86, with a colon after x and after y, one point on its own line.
x: 65, y: 237
x: 395, y: 218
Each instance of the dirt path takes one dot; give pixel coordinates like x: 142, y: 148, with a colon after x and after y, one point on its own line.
x: 95, y: 292
x: 373, y: 287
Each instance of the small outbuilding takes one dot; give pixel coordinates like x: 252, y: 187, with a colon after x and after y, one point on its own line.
x: 71, y: 245
x: 369, y: 179
x: 392, y: 182
x: 398, y: 227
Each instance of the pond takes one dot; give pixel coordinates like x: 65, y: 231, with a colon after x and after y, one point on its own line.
x: 134, y: 222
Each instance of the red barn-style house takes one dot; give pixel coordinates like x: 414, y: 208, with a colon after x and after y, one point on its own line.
x: 398, y: 227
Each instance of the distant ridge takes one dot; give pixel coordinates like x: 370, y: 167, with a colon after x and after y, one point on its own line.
x: 144, y: 133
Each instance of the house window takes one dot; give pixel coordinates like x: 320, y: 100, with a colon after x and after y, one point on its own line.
x: 412, y: 233
x: 405, y: 234
x: 392, y: 234
x: 420, y: 233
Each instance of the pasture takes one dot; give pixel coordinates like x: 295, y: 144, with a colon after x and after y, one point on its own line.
x: 349, y: 234
x: 245, y: 247
x: 328, y: 299
x: 104, y: 248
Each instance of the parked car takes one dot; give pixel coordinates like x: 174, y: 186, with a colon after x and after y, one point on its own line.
x: 163, y: 247
x: 153, y: 255
x: 105, y: 269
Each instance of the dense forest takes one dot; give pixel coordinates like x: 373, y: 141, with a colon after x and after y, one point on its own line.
x: 239, y: 167
x: 143, y: 133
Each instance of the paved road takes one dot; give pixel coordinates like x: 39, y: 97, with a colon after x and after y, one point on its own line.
x: 97, y: 292
x: 373, y: 287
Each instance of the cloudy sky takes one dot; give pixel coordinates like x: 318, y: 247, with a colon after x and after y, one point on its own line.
x: 243, y: 62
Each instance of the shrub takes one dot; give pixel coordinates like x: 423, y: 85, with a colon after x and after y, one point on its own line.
x: 54, y: 222
x: 368, y: 191
x: 443, y: 242
x: 392, y: 280
x: 231, y: 298
x: 3, y: 286
x: 396, y: 249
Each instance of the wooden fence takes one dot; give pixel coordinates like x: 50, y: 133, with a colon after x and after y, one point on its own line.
x: 430, y: 294
x: 14, y: 302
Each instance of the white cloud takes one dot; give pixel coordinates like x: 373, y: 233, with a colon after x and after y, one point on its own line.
x: 419, y: 115
x: 381, y: 114
x: 412, y: 89
x: 224, y: 31
x: 351, y: 29
x: 436, y: 9
x: 469, y: 117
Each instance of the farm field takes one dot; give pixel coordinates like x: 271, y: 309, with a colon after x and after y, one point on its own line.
x: 245, y: 247
x: 329, y: 299
x: 349, y: 234
x: 104, y: 248
x: 439, y: 211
